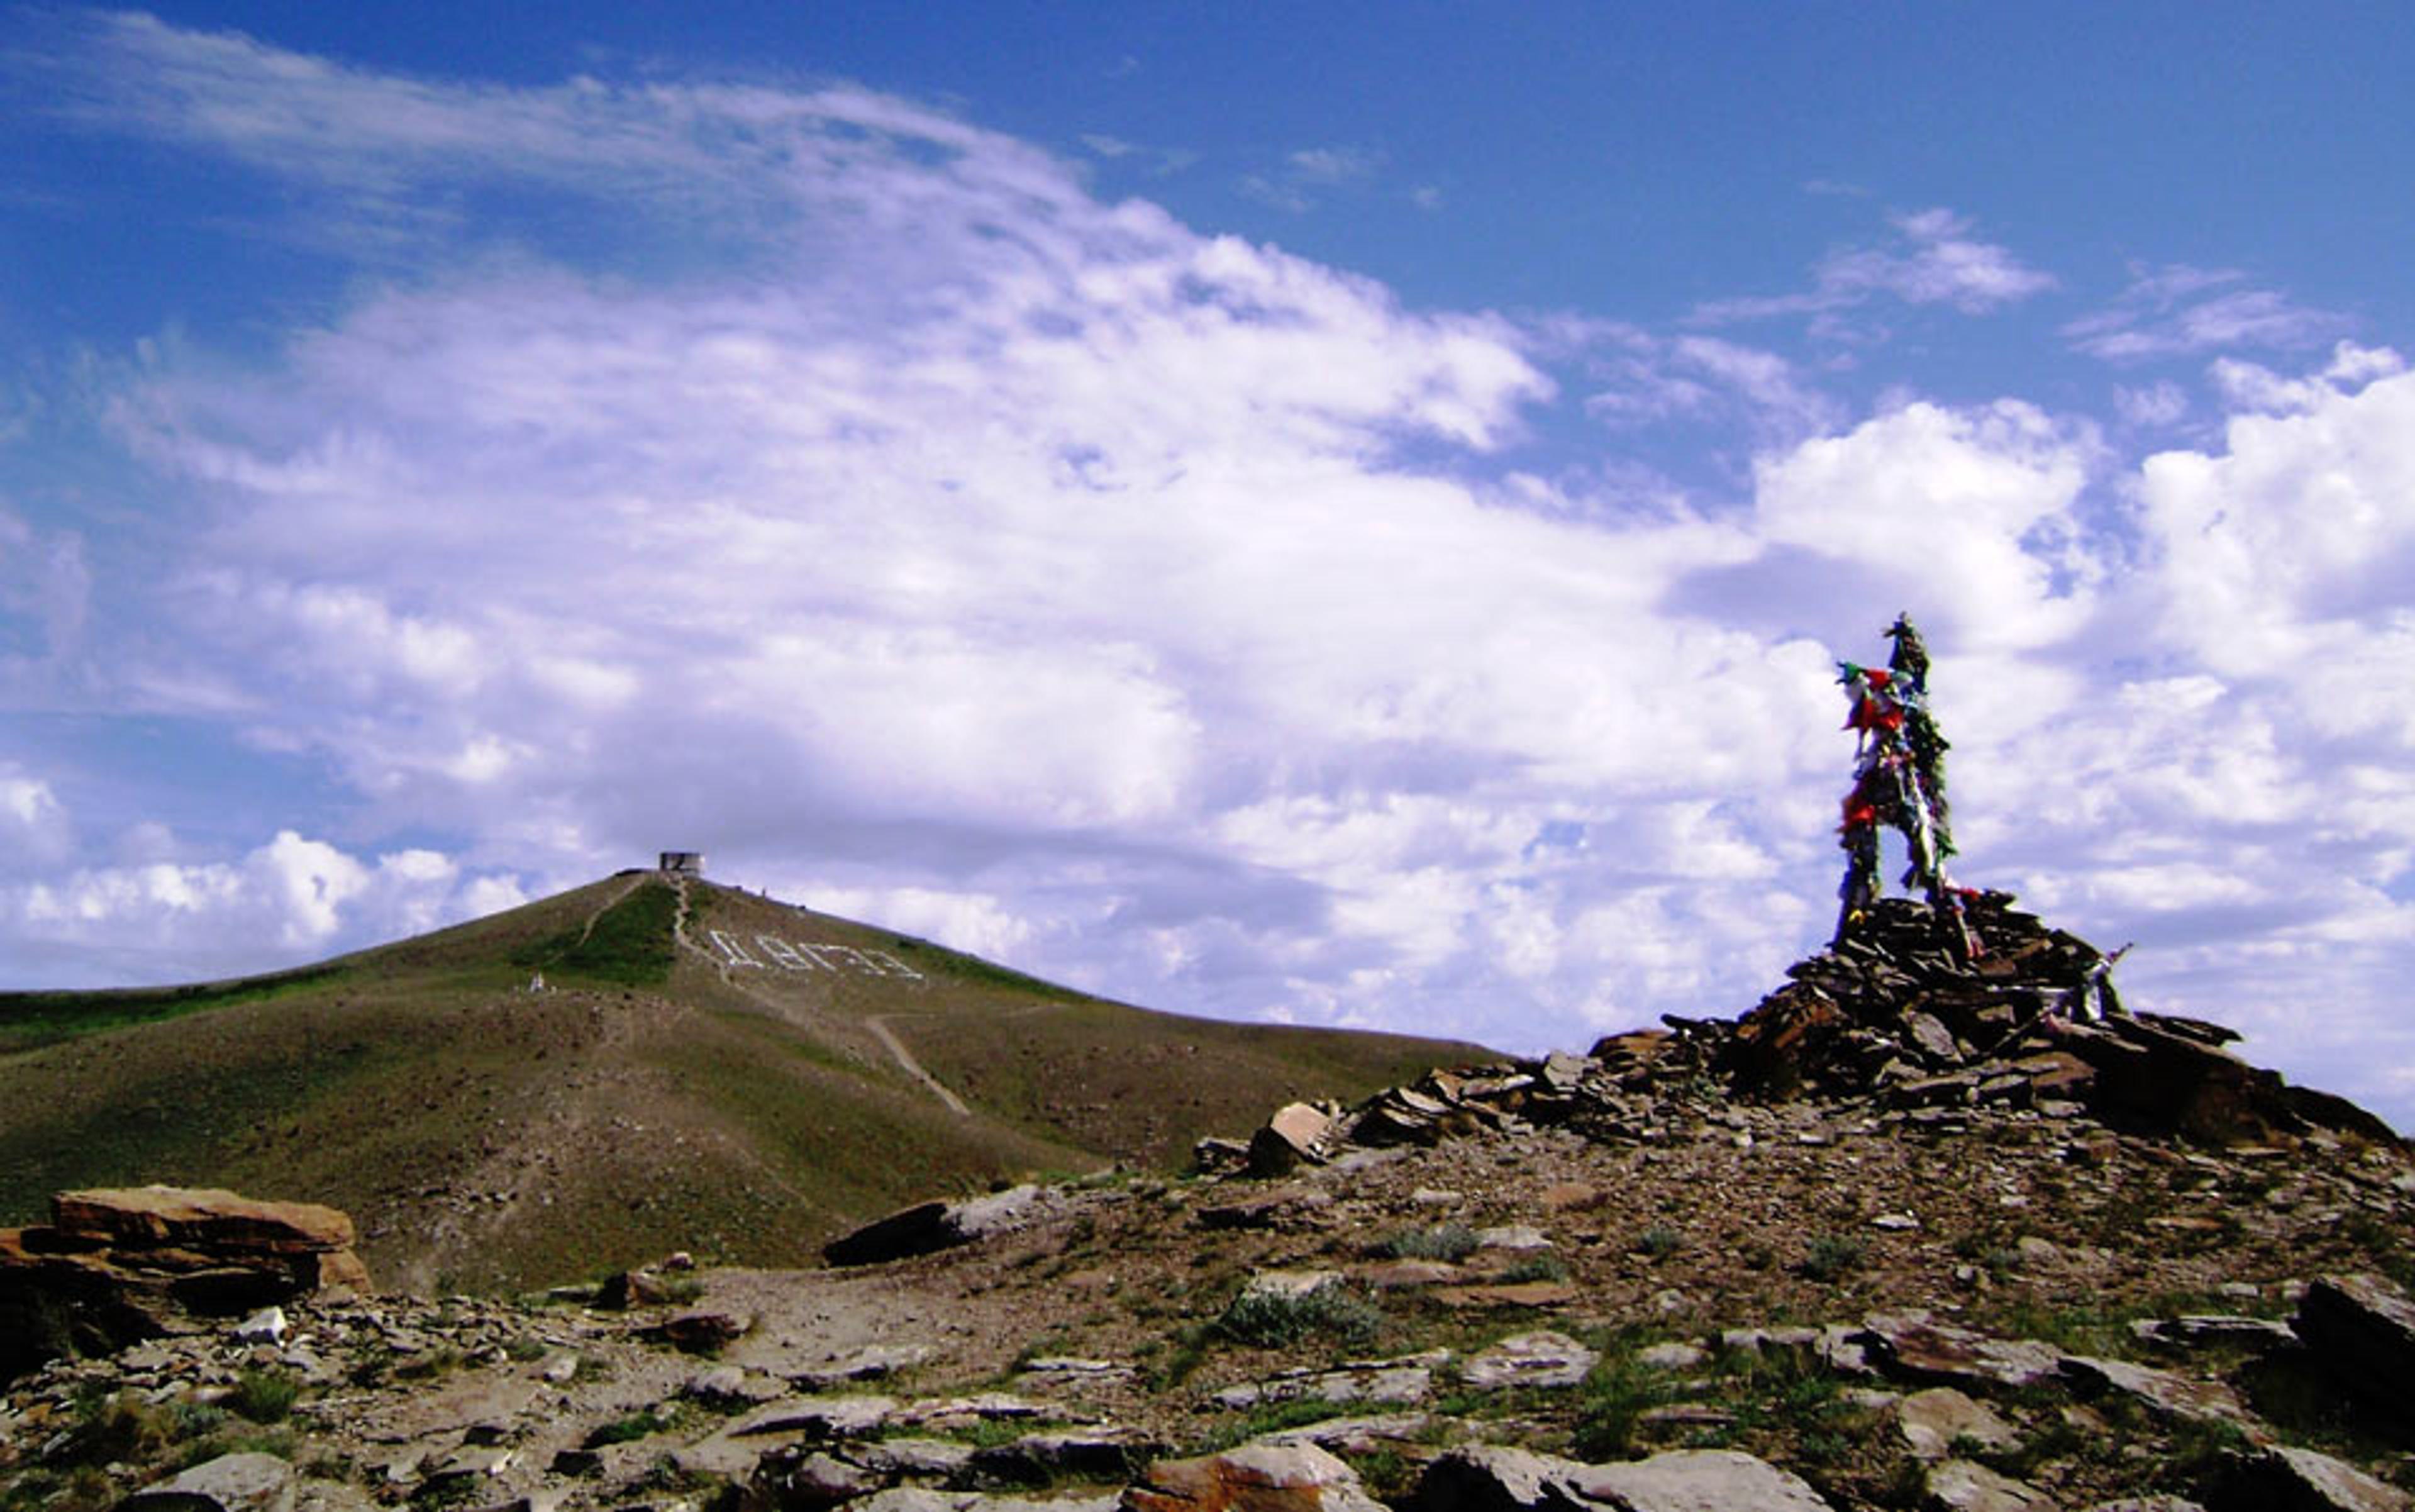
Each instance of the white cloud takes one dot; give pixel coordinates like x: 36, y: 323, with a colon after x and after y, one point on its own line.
x: 2158, y: 405
x: 1933, y: 260
x: 33, y: 825
x: 288, y: 902
x: 1650, y: 379
x: 1966, y: 514
x: 2181, y: 310
x: 1942, y: 266
x: 1309, y: 173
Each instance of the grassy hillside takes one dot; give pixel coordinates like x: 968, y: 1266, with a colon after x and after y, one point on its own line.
x: 703, y: 1068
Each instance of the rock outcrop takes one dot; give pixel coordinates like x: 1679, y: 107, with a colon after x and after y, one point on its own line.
x: 116, y: 1265
x: 926, y: 1228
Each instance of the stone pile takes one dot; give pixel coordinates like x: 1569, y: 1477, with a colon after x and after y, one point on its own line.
x: 1891, y: 1016
x: 114, y: 1267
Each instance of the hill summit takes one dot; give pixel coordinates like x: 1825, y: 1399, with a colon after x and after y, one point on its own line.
x: 652, y: 1061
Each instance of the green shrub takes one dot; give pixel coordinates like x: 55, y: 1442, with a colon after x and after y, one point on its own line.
x: 1451, y: 1242
x: 1611, y: 1403
x: 265, y: 1396
x: 1271, y: 1320
x: 1659, y: 1241
x: 1831, y: 1255
x: 627, y: 1430
x: 1537, y: 1268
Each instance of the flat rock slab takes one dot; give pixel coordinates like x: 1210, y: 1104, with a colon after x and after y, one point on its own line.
x: 229, y: 1483
x: 816, y: 1417
x: 1383, y: 1383
x: 206, y: 1218
x: 1265, y: 1210
x: 2164, y: 1394
x: 1931, y: 1420
x: 1698, y: 1480
x: 1961, y: 1485
x: 2302, y: 1480
x: 1542, y: 1358
x: 1508, y: 1294
x: 1912, y: 1348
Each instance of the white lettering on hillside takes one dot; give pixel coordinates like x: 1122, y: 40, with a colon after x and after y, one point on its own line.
x: 793, y: 955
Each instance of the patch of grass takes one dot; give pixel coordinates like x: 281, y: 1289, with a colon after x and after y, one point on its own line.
x: 1272, y: 1320
x: 1451, y: 1242
x: 117, y: 1427
x: 1537, y: 1268
x: 679, y: 1290
x: 276, y: 1440
x: 1271, y: 1417
x: 628, y: 1429
x: 1830, y: 1256
x: 1386, y: 1474
x: 1611, y: 1403
x: 1659, y: 1241
x: 265, y: 1396
x: 441, y: 1361
x: 629, y: 944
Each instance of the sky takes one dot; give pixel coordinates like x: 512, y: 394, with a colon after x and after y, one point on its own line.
x: 1342, y: 515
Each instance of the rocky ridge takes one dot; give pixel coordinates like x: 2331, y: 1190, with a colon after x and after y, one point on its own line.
x: 2032, y: 1253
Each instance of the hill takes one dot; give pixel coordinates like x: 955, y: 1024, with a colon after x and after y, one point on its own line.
x: 1916, y: 1232
x: 649, y: 1062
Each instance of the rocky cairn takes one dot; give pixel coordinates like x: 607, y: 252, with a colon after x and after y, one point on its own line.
x: 118, y: 1266
x: 1892, y: 1015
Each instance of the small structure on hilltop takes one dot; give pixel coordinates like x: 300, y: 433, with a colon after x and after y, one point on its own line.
x: 682, y: 863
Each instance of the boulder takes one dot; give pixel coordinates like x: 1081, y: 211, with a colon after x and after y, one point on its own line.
x: 1698, y: 1480
x: 1487, y: 1478
x: 2360, y: 1331
x: 1930, y: 1421
x: 2283, y: 1479
x: 1256, y: 1477
x: 118, y: 1266
x: 2163, y: 1394
x: 926, y: 1228
x: 795, y: 1478
x: 1962, y: 1486
x: 1912, y: 1348
x: 704, y: 1331
x: 199, y: 1218
x: 1295, y: 1136
x: 229, y: 1483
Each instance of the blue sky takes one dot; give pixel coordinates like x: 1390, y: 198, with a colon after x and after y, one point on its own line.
x: 1343, y: 514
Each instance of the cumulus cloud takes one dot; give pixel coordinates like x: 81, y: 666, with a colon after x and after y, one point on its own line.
x: 286, y: 902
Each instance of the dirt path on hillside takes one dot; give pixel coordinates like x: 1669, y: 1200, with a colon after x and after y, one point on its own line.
x: 879, y: 1025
